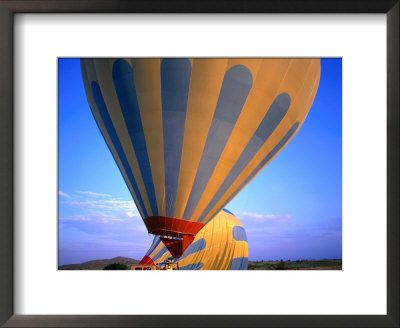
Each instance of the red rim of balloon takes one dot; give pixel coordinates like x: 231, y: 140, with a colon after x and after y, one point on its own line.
x: 166, y: 226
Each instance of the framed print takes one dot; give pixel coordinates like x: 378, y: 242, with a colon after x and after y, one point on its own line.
x: 104, y: 66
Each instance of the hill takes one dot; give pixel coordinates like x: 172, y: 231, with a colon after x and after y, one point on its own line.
x: 98, y: 264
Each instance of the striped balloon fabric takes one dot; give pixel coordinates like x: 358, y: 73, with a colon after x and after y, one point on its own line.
x: 220, y: 245
x: 189, y: 134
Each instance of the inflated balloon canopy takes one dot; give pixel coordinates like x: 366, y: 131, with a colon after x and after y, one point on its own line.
x: 189, y: 134
x: 220, y: 245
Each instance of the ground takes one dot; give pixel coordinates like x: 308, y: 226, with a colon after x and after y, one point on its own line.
x: 296, y: 265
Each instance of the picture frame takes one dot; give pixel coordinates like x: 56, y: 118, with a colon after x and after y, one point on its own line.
x: 7, y: 10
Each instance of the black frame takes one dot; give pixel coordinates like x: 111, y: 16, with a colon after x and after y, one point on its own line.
x: 7, y: 10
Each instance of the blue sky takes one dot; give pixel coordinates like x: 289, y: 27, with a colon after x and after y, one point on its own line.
x: 291, y: 210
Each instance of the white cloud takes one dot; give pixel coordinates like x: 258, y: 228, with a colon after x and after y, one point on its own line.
x: 98, y: 207
x: 61, y: 193
x: 93, y: 194
x: 74, y: 218
x: 259, y: 217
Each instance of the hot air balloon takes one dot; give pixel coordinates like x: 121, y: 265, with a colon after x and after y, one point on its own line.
x: 220, y: 245
x: 189, y: 134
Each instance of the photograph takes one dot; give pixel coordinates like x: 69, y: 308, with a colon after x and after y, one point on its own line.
x: 251, y: 146
x: 199, y: 163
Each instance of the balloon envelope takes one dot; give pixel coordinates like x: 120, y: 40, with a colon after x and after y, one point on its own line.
x: 189, y: 134
x: 220, y: 245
